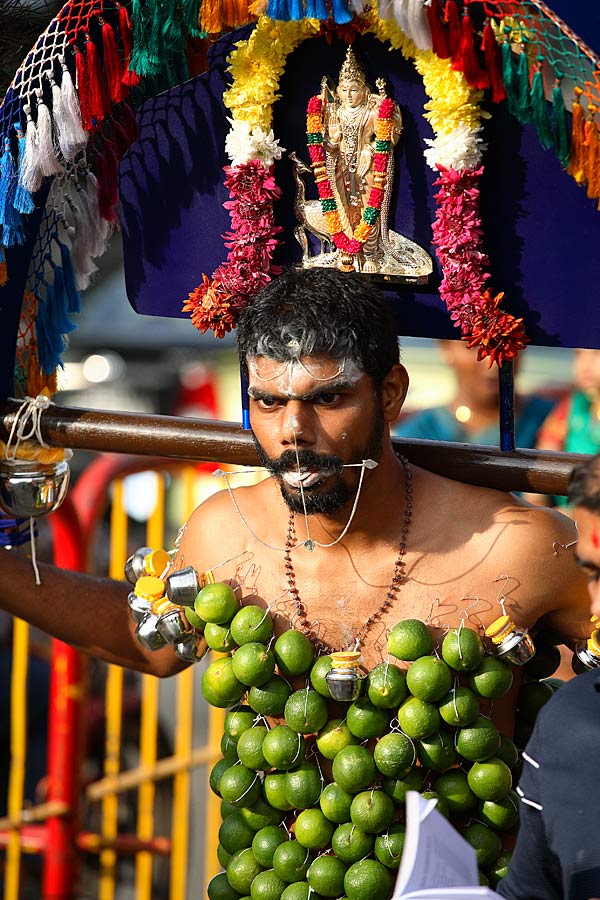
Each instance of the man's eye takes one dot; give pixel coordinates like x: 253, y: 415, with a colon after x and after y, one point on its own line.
x: 266, y: 402
x: 327, y: 399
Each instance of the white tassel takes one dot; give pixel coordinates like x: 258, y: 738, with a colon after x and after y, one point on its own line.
x: 30, y: 172
x: 101, y: 229
x: 400, y: 15
x: 67, y: 115
x: 386, y: 9
x: 357, y: 6
x: 47, y: 157
x: 78, y: 228
x: 418, y: 25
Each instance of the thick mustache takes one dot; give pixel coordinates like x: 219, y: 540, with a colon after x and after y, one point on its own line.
x: 306, y: 460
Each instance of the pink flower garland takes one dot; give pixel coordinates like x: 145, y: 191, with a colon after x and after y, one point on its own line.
x: 458, y: 238
x: 218, y: 301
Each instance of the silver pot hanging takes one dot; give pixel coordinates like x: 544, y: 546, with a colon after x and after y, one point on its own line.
x: 30, y: 488
x: 190, y: 648
x: 509, y: 642
x: 345, y: 678
x: 182, y: 586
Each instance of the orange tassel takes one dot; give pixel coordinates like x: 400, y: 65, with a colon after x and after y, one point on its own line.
x: 3, y: 273
x: 210, y: 16
x: 258, y: 7
x: 593, y: 154
x: 576, y: 167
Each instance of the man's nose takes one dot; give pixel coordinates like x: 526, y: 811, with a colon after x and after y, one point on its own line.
x: 297, y: 425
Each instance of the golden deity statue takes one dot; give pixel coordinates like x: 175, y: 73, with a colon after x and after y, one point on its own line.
x: 360, y: 176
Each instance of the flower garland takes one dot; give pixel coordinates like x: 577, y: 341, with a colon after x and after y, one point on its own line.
x: 383, y: 148
x: 454, y: 112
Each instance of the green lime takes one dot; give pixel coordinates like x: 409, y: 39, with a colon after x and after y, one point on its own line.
x: 228, y: 747
x: 319, y: 670
x: 326, y: 876
x: 219, y: 888
x: 194, y: 619
x: 350, y: 844
x: 214, y: 779
x: 265, y: 842
x: 437, y: 751
x: 303, y: 785
x: 223, y: 856
x: 237, y: 721
x: 489, y: 780
x: 218, y: 637
x: 335, y: 803
x: 507, y: 752
x: 216, y: 603
x: 267, y: 886
x: 313, y: 830
x: 492, y: 679
x: 299, y: 890
x: 440, y: 804
x: 410, y: 639
x: 487, y: 844
x: 253, y: 664
x: 532, y: 696
x: 283, y: 748
x: 240, y: 786
x: 397, y: 788
x: 453, y: 787
x: 333, y: 737
x: 499, y: 869
x: 269, y: 698
x: 274, y: 790
x: 305, y: 711
x: 249, y: 747
x: 354, y: 769
x: 389, y: 846
x: 394, y: 755
x: 479, y: 740
x: 291, y: 861
x: 429, y: 678
x: 386, y: 686
x: 252, y: 624
x: 501, y: 815
x: 293, y: 653
x: 219, y: 685
x: 555, y: 683
x: 367, y: 879
x: 226, y: 809
x: 459, y: 707
x: 418, y: 719
x: 372, y: 811
x: 261, y: 814
x: 546, y: 661
x: 242, y: 869
x: 366, y: 720
x: 235, y: 834
x: 462, y: 649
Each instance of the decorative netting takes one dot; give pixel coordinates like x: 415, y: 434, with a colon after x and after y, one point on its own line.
x: 68, y: 115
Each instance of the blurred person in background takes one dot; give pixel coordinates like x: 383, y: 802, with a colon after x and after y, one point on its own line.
x: 472, y: 415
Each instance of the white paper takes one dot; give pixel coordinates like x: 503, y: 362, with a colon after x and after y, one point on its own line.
x: 437, y: 863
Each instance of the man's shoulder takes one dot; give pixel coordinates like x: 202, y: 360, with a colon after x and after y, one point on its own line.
x: 581, y: 691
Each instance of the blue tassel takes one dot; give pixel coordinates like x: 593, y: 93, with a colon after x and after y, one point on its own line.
x: 58, y: 311
x: 23, y: 201
x: 316, y: 9
x: 73, y: 300
x: 50, y: 343
x: 10, y: 217
x: 296, y: 10
x: 278, y: 10
x: 341, y: 13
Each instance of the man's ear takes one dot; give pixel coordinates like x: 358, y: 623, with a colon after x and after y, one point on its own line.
x: 393, y: 392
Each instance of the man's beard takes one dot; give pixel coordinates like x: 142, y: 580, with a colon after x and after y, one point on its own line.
x: 317, y: 500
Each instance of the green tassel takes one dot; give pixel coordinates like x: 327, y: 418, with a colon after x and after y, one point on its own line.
x: 539, y: 111
x: 509, y: 76
x: 523, y: 111
x: 191, y: 12
x: 561, y: 134
x: 147, y: 21
x: 172, y: 29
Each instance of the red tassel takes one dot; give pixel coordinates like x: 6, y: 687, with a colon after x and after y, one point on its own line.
x: 129, y: 79
x: 493, y: 63
x: 112, y: 63
x: 454, y: 33
x: 107, y: 173
x: 439, y: 33
x: 83, y: 90
x: 475, y: 75
x: 99, y: 102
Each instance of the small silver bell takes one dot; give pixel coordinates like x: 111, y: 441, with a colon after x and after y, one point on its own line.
x: 146, y: 561
x: 182, y: 586
x: 138, y: 606
x: 30, y: 488
x: 172, y: 625
x: 191, y: 648
x: 511, y: 644
x: 147, y: 633
x: 343, y: 679
x: 587, y: 653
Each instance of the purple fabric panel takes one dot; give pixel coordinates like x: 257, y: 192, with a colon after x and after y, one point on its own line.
x: 542, y: 232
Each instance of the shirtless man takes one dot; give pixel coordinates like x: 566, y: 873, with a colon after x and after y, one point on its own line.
x: 330, y: 538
